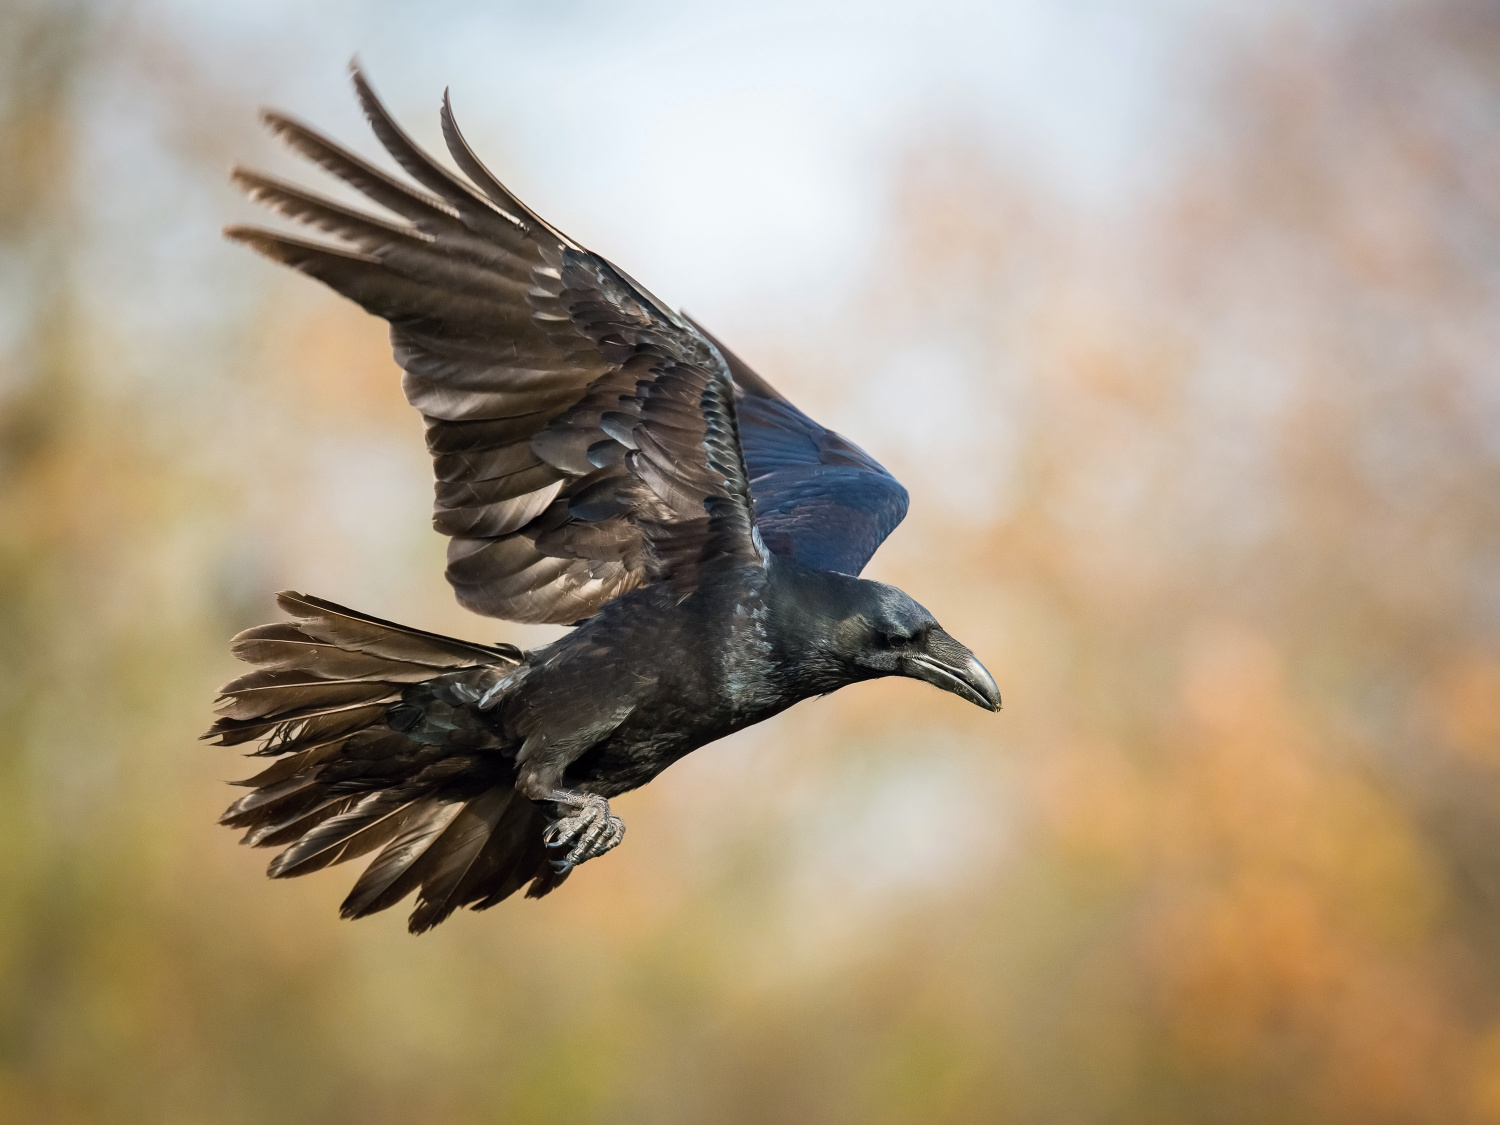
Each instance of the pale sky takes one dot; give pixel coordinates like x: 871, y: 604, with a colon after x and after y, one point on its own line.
x: 733, y: 155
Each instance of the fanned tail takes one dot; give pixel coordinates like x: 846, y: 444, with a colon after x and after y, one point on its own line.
x: 378, y: 749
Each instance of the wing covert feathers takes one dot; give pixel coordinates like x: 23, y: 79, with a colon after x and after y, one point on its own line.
x: 818, y: 497
x: 375, y: 752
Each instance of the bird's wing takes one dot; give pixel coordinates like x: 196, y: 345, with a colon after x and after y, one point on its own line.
x: 819, y: 498
x: 583, y: 436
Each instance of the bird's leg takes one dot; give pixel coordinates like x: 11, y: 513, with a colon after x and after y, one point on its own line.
x: 588, y: 829
x: 591, y: 829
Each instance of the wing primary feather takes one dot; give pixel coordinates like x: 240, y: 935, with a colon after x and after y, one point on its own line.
x: 366, y: 280
x: 291, y: 201
x: 498, y: 193
x: 358, y: 173
x: 471, y: 206
x: 292, y: 251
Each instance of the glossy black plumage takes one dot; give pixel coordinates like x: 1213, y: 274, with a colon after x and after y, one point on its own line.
x: 599, y: 460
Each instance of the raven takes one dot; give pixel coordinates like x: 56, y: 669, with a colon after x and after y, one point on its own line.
x: 601, y: 461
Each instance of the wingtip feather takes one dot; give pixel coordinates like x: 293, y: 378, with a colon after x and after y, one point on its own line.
x: 279, y: 123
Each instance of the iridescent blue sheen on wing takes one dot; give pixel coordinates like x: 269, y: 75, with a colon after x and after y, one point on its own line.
x: 819, y: 498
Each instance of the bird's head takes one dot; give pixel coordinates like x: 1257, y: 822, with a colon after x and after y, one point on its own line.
x: 879, y: 630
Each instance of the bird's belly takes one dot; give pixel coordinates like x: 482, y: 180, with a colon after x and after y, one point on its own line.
x: 655, y: 737
x: 709, y: 671
x: 628, y: 759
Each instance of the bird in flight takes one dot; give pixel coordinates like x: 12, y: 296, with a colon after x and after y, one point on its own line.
x: 601, y: 462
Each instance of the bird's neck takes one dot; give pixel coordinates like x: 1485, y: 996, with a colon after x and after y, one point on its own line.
x: 799, y: 623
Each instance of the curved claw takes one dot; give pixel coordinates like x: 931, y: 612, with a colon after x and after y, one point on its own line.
x: 592, y: 831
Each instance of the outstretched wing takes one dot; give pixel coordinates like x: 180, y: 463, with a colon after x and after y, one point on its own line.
x: 819, y: 498
x: 583, y: 436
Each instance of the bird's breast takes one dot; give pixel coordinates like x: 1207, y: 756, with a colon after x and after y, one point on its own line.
x: 694, y: 672
x: 747, y: 659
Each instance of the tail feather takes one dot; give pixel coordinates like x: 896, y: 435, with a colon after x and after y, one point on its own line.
x: 401, y: 866
x: 284, y: 647
x: 511, y: 857
x: 359, y: 632
x: 291, y: 824
x: 364, y: 824
x: 300, y: 730
x: 378, y: 750
x: 294, y: 763
x: 257, y: 697
x: 465, y: 842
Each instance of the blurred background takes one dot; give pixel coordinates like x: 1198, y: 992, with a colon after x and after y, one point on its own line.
x: 1181, y: 321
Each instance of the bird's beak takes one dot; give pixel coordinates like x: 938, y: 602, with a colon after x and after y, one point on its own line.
x: 947, y: 664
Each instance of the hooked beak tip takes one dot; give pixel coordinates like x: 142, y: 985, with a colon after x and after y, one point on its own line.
x: 984, y: 685
x: 963, y: 675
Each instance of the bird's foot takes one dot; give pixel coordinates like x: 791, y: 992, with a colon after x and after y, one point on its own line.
x: 592, y: 830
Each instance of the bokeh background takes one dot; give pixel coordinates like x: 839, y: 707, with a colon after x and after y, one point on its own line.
x: 1180, y: 320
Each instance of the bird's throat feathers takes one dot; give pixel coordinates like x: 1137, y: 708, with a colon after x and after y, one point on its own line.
x: 818, y: 623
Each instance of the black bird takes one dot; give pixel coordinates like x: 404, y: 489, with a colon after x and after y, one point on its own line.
x: 601, y: 461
